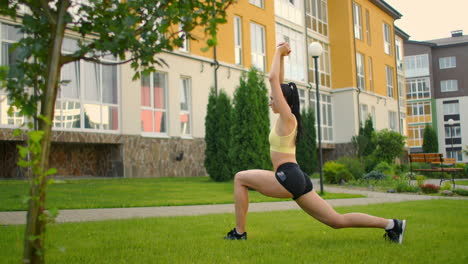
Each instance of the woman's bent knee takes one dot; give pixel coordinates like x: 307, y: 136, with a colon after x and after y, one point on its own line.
x: 337, y: 222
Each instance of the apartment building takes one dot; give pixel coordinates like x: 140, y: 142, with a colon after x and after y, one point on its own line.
x: 366, y: 65
x: 436, y: 84
x: 106, y: 124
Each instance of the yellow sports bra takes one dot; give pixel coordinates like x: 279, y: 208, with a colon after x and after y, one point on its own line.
x: 283, y: 144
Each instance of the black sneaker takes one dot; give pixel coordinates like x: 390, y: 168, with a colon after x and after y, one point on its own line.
x: 396, y: 233
x: 232, y: 235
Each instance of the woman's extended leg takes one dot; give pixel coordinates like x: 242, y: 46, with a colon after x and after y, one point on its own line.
x: 260, y: 180
x: 318, y: 208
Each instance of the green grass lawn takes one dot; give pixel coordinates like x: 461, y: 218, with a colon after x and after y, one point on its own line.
x: 130, y: 192
x: 462, y: 182
x: 436, y: 233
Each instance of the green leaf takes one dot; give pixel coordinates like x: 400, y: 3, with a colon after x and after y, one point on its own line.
x: 22, y: 151
x: 36, y: 136
x: 50, y: 171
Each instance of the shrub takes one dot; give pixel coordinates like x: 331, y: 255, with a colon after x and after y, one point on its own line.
x: 374, y: 175
x: 430, y: 142
x: 447, y: 186
x: 465, y: 168
x: 401, y: 169
x: 390, y: 145
x: 420, y: 180
x: 353, y: 165
x: 369, y: 163
x: 250, y: 124
x: 403, y: 186
x: 385, y: 168
x: 429, y: 188
x: 334, y: 172
x: 462, y: 192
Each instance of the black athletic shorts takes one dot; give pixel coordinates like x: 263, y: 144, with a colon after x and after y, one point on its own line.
x: 293, y: 179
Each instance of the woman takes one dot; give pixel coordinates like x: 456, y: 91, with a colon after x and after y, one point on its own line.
x: 288, y: 181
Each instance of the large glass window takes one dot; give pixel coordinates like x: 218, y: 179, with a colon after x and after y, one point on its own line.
x: 326, y: 114
x: 451, y: 108
x: 417, y: 65
x: 294, y: 64
x: 449, y: 85
x: 415, y: 135
x: 387, y: 39
x: 452, y: 131
x: 317, y: 16
x: 418, y: 112
x: 9, y: 36
x: 258, y: 51
x: 185, y: 107
x: 371, y: 75
x: 390, y: 86
x: 237, y: 40
x: 418, y: 89
x: 364, y: 114
x: 88, y: 97
x: 447, y: 62
x: 324, y: 65
x: 361, y: 81
x: 154, y: 103
x: 185, y: 42
x: 357, y: 14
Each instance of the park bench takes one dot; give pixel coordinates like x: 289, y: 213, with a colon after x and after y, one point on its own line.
x: 438, y: 164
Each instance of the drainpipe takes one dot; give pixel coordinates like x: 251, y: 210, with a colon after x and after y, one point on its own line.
x: 306, y: 47
x: 355, y: 64
x: 397, y: 88
x: 215, y: 63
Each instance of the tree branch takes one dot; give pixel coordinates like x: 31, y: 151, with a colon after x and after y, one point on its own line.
x: 45, y: 6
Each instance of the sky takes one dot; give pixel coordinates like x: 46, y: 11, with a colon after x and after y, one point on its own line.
x: 431, y: 19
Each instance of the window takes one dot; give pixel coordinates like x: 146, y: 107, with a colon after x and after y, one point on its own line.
x: 368, y: 31
x: 399, y: 54
x: 323, y: 63
x: 401, y: 89
x: 90, y: 99
x: 294, y: 64
x: 357, y: 14
x: 389, y: 72
x: 9, y: 36
x: 237, y: 40
x: 418, y: 89
x: 317, y: 16
x: 418, y: 112
x: 455, y: 153
x: 364, y: 114
x: 392, y: 120
x: 361, y: 81
x: 258, y: 3
x: 417, y: 65
x: 416, y: 135
x: 257, y: 39
x: 451, y: 108
x: 371, y: 75
x: 302, y: 98
x: 455, y: 130
x: 447, y: 62
x: 154, y: 103
x: 185, y: 107
x: 387, y: 39
x: 185, y: 43
x: 325, y: 113
x: 449, y: 85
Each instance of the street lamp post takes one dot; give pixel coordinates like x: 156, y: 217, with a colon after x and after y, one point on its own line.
x: 450, y: 123
x: 315, y: 50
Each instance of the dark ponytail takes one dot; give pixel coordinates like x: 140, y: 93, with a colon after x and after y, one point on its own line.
x: 291, y: 94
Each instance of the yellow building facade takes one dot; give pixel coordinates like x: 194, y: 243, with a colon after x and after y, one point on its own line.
x: 364, y: 65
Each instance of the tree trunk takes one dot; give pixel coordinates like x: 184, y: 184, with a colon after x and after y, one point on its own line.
x: 36, y: 222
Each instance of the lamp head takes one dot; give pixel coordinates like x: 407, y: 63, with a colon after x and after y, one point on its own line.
x: 315, y: 49
x: 451, y: 122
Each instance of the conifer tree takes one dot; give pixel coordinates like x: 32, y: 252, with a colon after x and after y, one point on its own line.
x: 306, y: 150
x: 218, y: 136
x: 250, y: 124
x: 430, y: 142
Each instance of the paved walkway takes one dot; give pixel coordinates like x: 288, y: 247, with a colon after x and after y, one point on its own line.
x: 80, y: 215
